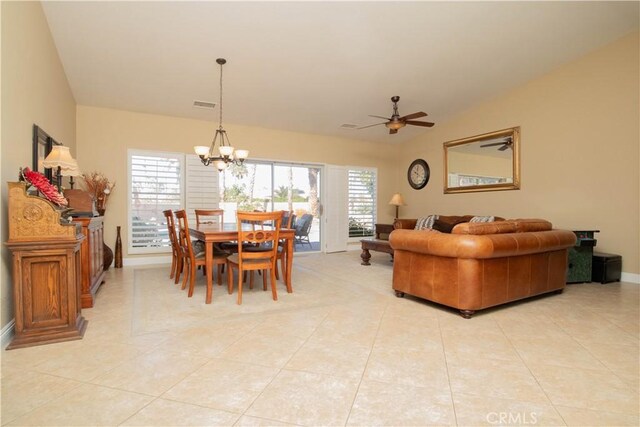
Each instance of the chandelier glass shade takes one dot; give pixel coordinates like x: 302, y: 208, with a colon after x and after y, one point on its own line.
x: 225, y: 154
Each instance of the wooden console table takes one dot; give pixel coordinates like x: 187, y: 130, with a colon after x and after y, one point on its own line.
x: 91, y: 254
x: 46, y: 271
x: 380, y: 243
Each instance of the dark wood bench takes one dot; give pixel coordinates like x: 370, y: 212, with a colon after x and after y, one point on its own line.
x: 380, y: 243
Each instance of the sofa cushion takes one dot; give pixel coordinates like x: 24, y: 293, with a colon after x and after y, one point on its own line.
x: 501, y: 227
x: 482, y: 228
x: 532, y: 224
x: 426, y: 222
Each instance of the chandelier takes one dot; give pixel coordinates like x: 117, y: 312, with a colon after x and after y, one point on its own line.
x: 226, y: 154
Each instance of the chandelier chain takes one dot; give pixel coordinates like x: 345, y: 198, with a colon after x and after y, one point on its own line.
x: 220, y: 125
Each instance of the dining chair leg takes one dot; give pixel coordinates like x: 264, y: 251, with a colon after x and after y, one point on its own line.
x: 239, y: 288
x: 185, y: 270
x: 179, y: 268
x: 230, y: 279
x: 173, y: 267
x: 284, y: 269
x: 264, y: 280
x: 192, y: 279
x: 277, y: 273
x: 274, y: 292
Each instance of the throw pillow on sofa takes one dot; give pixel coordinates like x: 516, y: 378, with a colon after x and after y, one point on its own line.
x: 426, y: 222
x: 445, y: 226
x: 483, y: 219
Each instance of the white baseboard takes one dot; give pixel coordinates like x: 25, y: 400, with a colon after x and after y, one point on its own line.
x: 7, y: 333
x: 149, y: 260
x: 630, y: 277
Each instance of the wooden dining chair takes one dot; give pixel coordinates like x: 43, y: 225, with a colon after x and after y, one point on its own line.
x: 209, y: 216
x: 193, y: 259
x: 258, y: 229
x: 176, y: 251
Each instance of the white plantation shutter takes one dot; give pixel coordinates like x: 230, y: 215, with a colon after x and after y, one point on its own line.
x: 362, y: 201
x: 336, y: 209
x: 155, y: 185
x: 202, y: 187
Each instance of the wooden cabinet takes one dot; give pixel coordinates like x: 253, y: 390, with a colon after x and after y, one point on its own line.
x: 91, y: 254
x: 46, y: 271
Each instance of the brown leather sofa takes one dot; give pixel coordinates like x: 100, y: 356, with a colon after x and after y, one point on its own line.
x: 479, y: 265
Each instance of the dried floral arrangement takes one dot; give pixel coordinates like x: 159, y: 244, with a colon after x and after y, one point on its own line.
x: 43, y: 185
x: 100, y: 187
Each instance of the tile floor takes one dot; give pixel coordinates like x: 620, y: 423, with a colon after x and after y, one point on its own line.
x: 340, y: 350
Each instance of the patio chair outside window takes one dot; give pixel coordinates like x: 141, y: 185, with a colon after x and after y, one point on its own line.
x: 303, y: 227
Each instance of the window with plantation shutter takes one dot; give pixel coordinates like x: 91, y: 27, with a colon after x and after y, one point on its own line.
x: 362, y: 201
x: 156, y: 181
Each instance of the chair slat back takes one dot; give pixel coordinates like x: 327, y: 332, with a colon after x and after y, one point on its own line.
x: 183, y: 233
x: 258, y: 228
x: 171, y: 227
x: 209, y: 216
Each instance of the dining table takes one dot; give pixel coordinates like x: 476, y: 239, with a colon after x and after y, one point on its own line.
x: 211, y: 233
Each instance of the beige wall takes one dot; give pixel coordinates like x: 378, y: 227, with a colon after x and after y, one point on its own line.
x: 34, y: 90
x: 580, y: 151
x: 105, y: 135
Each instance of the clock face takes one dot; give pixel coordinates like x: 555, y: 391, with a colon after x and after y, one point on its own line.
x: 418, y: 174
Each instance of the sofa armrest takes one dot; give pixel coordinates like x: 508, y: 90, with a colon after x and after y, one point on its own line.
x: 405, y: 223
x: 480, y: 246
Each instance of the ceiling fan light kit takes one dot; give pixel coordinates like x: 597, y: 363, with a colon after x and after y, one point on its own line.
x: 396, y: 122
x: 226, y: 152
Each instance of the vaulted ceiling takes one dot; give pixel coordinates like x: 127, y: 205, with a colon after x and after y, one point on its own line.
x: 313, y: 66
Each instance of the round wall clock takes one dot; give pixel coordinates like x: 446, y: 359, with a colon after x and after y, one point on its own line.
x: 418, y: 174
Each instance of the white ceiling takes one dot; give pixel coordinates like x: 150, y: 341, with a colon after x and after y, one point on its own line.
x: 312, y: 66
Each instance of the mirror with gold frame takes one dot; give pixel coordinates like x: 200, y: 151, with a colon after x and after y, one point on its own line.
x: 487, y: 162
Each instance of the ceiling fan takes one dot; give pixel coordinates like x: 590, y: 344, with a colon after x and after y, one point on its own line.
x: 396, y: 122
x: 507, y: 143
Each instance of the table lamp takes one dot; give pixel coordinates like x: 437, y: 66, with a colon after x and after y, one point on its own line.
x: 60, y: 158
x: 397, y: 201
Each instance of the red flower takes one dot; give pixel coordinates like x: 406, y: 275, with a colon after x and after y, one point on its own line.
x: 43, y: 185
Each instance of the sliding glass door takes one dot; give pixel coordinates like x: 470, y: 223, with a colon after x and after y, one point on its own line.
x: 270, y: 186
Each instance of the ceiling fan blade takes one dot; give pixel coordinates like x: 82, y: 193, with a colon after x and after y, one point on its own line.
x: 380, y: 117
x: 492, y: 145
x: 392, y: 131
x: 504, y: 147
x: 377, y: 124
x: 423, y: 124
x: 414, y: 116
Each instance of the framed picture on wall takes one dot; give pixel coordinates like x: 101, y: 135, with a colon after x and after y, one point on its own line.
x: 42, y: 144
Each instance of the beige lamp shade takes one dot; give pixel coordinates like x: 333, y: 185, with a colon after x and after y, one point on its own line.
x: 60, y: 157
x: 397, y: 200
x: 73, y: 171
